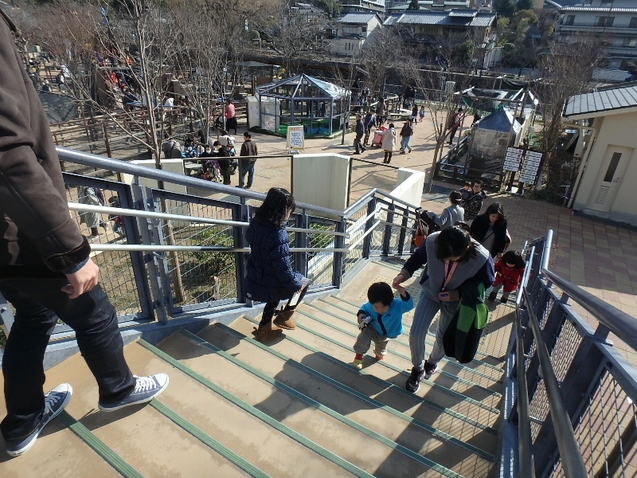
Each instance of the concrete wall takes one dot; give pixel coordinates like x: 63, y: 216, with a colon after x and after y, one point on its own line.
x: 613, y: 131
x: 321, y: 179
x: 409, y: 186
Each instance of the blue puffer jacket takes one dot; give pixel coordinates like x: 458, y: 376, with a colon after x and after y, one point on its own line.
x: 270, y: 276
x: 391, y: 321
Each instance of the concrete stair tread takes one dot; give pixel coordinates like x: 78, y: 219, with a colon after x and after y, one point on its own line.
x: 389, y: 425
x: 331, y: 434
x: 128, y: 432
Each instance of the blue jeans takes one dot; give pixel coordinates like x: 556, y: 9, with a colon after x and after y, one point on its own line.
x: 404, y: 143
x: 249, y: 170
x: 39, y: 302
x: 426, y: 310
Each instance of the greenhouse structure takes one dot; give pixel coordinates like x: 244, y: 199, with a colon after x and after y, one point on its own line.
x: 320, y: 107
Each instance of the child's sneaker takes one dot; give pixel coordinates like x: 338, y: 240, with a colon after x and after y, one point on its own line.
x: 491, y: 297
x: 413, y: 382
x: 504, y: 299
x: 430, y: 369
x: 357, y: 364
x: 379, y: 357
x: 54, y: 403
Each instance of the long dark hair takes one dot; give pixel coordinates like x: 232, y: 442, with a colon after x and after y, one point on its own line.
x: 455, y: 242
x: 495, y: 208
x: 276, y: 206
x: 513, y: 257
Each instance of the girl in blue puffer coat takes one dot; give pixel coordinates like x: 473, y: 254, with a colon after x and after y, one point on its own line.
x: 270, y: 277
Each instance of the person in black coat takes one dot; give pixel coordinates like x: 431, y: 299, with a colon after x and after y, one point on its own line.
x: 360, y: 131
x: 490, y: 229
x: 270, y: 277
x: 223, y: 158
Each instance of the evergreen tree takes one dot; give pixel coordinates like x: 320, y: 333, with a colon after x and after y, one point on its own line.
x: 504, y: 8
x: 524, y: 5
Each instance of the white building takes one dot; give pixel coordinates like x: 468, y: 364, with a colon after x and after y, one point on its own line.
x: 613, y: 21
x: 605, y: 184
x: 352, y: 32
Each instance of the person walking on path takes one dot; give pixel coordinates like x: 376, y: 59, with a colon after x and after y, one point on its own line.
x: 389, y: 142
x: 474, y: 200
x: 380, y: 319
x: 269, y: 274
x: 248, y: 148
x: 451, y: 257
x: 490, y: 229
x: 360, y: 131
x: 46, y: 272
x: 455, y: 124
x: 451, y: 215
x: 231, y: 116
x: 414, y: 115
x: 406, y: 133
x: 369, y: 122
x: 380, y: 111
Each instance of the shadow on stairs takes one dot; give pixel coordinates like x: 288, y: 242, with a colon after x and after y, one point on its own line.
x: 296, y: 407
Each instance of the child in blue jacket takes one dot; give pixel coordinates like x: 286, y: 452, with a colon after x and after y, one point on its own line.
x: 380, y: 319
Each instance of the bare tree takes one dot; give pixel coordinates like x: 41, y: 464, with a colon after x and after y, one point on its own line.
x: 566, y: 71
x: 380, y: 53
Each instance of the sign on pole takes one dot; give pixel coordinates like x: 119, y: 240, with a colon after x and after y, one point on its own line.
x: 296, y: 138
x: 531, y: 164
x: 513, y: 159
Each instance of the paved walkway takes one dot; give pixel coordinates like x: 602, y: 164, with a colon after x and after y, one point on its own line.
x: 596, y: 256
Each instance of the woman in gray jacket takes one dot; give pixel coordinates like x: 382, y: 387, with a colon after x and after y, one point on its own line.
x: 451, y: 257
x: 452, y: 214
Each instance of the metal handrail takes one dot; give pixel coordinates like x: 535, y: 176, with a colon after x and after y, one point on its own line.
x: 618, y: 322
x: 178, y: 217
x: 170, y: 248
x: 87, y: 159
x: 567, y: 444
x: 527, y: 469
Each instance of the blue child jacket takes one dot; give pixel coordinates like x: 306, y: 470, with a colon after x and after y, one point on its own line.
x: 392, y: 321
x: 270, y: 276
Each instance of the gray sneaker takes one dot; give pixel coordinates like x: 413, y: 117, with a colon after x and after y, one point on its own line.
x: 54, y: 403
x: 146, y: 388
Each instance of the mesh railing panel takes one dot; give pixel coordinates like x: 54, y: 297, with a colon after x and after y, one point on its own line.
x: 606, y: 432
x: 320, y: 264
x: 199, y: 277
x: 116, y: 269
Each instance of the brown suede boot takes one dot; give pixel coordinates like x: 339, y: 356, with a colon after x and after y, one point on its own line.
x: 266, y: 333
x: 283, y: 319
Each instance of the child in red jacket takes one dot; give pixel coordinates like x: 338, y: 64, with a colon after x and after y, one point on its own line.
x: 508, y: 272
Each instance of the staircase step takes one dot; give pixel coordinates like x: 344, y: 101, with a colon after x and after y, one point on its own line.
x: 400, y: 347
x: 342, y: 398
x: 149, y: 442
x: 447, y: 399
x: 354, y: 443
x: 480, y: 363
x: 227, y: 418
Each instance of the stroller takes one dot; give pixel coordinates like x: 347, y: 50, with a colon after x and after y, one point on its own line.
x: 211, y: 171
x: 118, y: 220
x: 378, y: 138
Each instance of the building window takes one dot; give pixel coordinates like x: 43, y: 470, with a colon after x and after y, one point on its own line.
x: 604, y: 21
x: 633, y: 22
x: 630, y: 42
x: 569, y: 20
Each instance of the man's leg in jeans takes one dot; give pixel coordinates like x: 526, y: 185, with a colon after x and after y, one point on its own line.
x: 94, y: 320
x: 250, y: 175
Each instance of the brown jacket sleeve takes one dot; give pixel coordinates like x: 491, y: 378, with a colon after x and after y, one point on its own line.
x: 32, y: 195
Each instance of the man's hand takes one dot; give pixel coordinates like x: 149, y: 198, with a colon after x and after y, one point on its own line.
x: 83, y: 280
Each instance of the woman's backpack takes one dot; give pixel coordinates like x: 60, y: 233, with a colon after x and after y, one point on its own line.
x: 420, y: 234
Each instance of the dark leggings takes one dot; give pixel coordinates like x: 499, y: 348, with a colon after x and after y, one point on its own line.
x: 388, y: 155
x: 270, y: 307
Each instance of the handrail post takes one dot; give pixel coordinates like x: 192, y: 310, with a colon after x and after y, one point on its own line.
x: 240, y: 212
x: 388, y: 229
x: 339, y: 257
x: 301, y: 240
x: 367, y: 242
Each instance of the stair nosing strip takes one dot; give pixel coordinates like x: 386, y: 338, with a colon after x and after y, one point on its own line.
x: 207, y: 440
x: 432, y: 384
x: 327, y: 410
x: 98, y: 446
x: 264, y: 417
x: 482, y: 363
x: 379, y: 405
x: 401, y: 390
x: 404, y: 344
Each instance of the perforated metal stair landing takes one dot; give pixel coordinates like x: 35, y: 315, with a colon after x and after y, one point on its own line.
x: 295, y: 408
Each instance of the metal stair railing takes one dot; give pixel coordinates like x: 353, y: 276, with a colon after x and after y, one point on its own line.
x: 179, y: 253
x: 573, y: 393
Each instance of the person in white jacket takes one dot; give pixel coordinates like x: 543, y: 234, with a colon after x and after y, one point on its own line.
x: 389, y: 142
x: 452, y: 214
